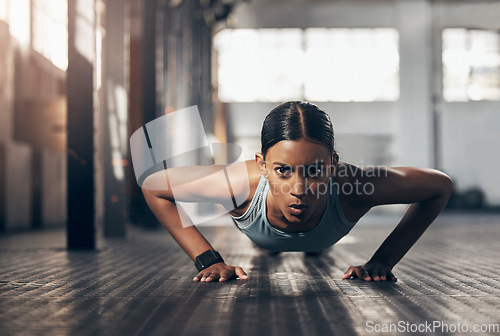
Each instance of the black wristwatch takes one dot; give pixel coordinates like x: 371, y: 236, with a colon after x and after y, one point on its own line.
x: 207, y: 258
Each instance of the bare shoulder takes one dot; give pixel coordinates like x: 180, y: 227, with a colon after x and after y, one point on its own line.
x: 253, y: 172
x: 376, y: 185
x: 244, y: 185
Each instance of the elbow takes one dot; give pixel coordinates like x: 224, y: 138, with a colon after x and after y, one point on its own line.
x: 144, y: 190
x: 147, y: 193
x: 446, y: 186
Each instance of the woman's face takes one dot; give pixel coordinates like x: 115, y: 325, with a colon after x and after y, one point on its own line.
x: 298, y: 172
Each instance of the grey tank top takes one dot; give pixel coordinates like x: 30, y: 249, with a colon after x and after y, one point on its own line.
x: 331, y: 228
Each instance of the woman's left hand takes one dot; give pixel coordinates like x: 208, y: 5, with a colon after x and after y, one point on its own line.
x: 375, y: 271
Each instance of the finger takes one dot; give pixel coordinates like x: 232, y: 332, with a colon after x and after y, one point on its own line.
x: 377, y: 275
x: 212, y: 276
x: 217, y: 277
x: 388, y: 275
x: 363, y: 274
x: 348, y: 274
x: 391, y: 276
x: 197, y: 277
x: 205, y: 276
x: 240, y: 273
x: 224, y: 276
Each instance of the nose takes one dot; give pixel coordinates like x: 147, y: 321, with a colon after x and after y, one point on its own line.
x: 298, y: 187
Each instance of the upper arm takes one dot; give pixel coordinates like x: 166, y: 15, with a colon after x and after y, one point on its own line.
x: 401, y: 185
x: 222, y: 184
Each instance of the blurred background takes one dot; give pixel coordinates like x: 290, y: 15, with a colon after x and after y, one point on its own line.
x: 406, y: 83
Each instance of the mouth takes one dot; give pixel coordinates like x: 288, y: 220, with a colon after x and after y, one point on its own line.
x: 297, y: 209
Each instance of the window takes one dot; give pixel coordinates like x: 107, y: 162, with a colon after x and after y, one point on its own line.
x: 260, y: 65
x: 319, y: 64
x: 352, y: 65
x: 471, y: 65
x: 50, y: 31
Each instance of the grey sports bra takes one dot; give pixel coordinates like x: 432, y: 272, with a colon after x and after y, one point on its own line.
x: 331, y: 228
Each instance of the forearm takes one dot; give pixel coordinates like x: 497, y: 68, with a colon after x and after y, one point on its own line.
x: 169, y: 215
x: 414, y: 223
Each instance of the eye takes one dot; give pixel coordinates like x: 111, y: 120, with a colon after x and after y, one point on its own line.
x: 283, y: 171
x: 313, y: 171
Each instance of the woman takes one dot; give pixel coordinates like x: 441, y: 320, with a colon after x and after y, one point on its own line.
x: 297, y: 196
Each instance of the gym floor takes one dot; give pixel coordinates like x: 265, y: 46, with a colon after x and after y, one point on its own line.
x: 449, y: 284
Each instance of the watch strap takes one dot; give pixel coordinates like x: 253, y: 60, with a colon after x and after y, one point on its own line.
x: 206, y: 259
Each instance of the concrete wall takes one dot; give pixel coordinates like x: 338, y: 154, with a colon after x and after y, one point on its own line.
x: 53, y: 189
x: 18, y: 191
x: 470, y: 137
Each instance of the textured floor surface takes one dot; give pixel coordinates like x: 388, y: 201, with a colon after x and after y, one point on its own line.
x: 449, y: 283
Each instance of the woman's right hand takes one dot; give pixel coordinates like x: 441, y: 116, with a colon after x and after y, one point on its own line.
x: 372, y: 270
x: 220, y: 272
